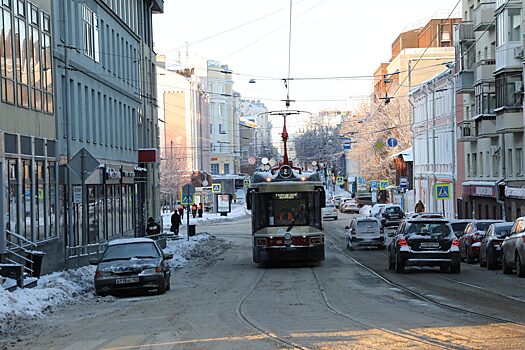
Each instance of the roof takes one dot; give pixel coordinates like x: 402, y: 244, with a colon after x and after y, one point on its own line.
x: 130, y: 240
x: 406, y: 154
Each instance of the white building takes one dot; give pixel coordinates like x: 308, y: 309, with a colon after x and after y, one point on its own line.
x: 434, y: 141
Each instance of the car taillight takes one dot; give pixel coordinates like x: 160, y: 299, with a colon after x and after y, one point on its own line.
x: 97, y: 273
x: 523, y: 237
x: 402, y: 242
x: 455, y: 242
x: 158, y: 269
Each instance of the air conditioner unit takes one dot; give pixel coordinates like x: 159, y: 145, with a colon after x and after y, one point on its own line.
x: 518, y: 52
x: 494, y: 150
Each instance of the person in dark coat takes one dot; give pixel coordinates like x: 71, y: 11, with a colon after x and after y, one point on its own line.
x: 181, y: 211
x: 175, y: 222
x: 194, y: 210
x: 153, y: 228
x: 420, y: 207
x: 200, y: 210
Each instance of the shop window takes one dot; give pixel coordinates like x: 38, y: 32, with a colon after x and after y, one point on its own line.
x: 52, y: 200
x: 27, y: 203
x: 40, y: 214
x: 12, y: 195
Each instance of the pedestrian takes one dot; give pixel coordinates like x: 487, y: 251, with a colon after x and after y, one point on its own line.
x: 153, y: 228
x: 420, y: 207
x: 200, y: 210
x: 175, y: 223
x: 235, y: 198
x: 194, y: 210
x: 181, y: 211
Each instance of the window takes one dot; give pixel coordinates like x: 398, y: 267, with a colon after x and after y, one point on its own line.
x: 211, y: 128
x: 221, y: 129
x: 509, y: 91
x: 469, y: 166
x: 226, y: 168
x: 481, y: 170
x: 220, y: 108
x: 474, y: 164
x: 510, y: 162
x: 495, y: 165
x: 215, y: 169
x: 90, y: 33
x: 485, y: 101
x: 519, y: 161
x: 514, y: 29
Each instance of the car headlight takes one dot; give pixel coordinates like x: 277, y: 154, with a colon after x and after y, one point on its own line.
x: 102, y: 274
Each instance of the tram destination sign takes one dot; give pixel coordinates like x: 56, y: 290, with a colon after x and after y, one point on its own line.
x: 286, y: 195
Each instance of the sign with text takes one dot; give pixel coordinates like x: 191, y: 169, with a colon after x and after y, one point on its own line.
x: 77, y: 194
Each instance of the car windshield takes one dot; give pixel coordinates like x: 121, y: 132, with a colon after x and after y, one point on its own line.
x: 130, y: 250
x: 483, y: 226
x: 459, y: 227
x: 392, y: 210
x: 428, y: 229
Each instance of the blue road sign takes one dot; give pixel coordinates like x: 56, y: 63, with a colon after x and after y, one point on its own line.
x: 442, y: 191
x: 403, y: 182
x: 361, y: 180
x: 374, y: 185
x: 392, y: 142
x: 186, y: 199
x: 383, y: 184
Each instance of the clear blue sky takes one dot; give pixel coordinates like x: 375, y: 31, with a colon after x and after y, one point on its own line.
x: 330, y: 38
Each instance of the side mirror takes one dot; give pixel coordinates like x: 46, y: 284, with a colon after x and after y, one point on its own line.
x: 93, y: 261
x: 167, y: 256
x: 347, y: 227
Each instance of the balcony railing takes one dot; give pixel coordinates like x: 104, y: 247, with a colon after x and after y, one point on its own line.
x: 485, y: 69
x: 510, y: 120
x: 464, y: 31
x: 464, y: 81
x: 484, y: 15
x: 486, y: 125
x: 509, y: 55
x: 466, y: 131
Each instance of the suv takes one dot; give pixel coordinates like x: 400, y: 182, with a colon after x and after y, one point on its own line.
x: 424, y: 242
x: 513, y: 249
x: 365, y: 231
x: 391, y: 215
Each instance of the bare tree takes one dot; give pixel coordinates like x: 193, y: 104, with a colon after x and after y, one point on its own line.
x: 320, y: 142
x: 173, y: 175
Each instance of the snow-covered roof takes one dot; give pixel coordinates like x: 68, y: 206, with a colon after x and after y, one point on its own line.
x: 130, y: 240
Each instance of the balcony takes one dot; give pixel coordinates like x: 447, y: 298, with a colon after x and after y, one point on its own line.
x: 464, y: 81
x: 484, y: 16
x: 464, y: 32
x: 466, y: 131
x: 485, y: 70
x: 509, y: 120
x: 486, y: 125
x: 509, y: 56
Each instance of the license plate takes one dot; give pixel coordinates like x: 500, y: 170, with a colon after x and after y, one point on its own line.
x: 127, y: 280
x: 429, y: 245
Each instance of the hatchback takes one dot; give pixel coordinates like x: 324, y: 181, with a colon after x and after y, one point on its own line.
x: 132, y: 264
x: 365, y: 231
x: 513, y: 249
x: 330, y: 212
x: 490, y: 249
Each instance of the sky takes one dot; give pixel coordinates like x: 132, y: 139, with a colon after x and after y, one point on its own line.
x: 330, y: 39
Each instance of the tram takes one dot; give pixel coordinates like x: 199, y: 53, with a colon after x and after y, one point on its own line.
x: 286, y: 205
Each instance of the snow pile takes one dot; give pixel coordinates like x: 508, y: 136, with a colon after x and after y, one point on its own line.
x: 238, y: 211
x: 183, y: 250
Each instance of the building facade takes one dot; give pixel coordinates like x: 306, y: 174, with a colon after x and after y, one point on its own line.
x: 434, y: 141
x: 29, y: 200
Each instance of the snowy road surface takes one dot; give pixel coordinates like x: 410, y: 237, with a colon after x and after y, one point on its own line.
x: 221, y: 300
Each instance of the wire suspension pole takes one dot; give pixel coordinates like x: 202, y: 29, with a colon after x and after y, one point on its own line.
x: 289, y: 59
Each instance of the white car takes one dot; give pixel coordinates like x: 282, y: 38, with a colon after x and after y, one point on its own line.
x: 376, y: 208
x: 365, y: 232
x: 365, y: 210
x: 349, y: 206
x: 330, y: 212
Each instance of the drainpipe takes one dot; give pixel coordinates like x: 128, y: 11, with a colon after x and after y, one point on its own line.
x: 502, y: 178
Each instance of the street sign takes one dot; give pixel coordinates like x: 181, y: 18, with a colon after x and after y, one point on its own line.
x: 374, y: 185
x: 392, y: 142
x: 216, y: 188
x: 186, y: 199
x: 347, y: 143
x: 247, y: 181
x: 379, y: 146
x: 383, y: 184
x: 340, y: 180
x: 361, y: 180
x: 204, y: 183
x: 188, y: 189
x: 77, y: 194
x: 83, y: 163
x: 403, y: 182
x: 442, y: 191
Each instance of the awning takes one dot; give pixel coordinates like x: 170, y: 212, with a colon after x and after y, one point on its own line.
x: 406, y: 154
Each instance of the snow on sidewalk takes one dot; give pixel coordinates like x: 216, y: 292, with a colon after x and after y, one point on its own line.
x: 238, y: 211
x: 76, y: 285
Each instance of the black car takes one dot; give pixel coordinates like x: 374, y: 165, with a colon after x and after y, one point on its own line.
x: 490, y: 249
x: 132, y: 264
x: 424, y: 242
x: 391, y: 215
x: 458, y: 226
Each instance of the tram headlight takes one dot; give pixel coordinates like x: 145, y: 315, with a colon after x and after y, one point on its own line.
x: 303, y: 178
x: 268, y: 179
x: 287, y: 236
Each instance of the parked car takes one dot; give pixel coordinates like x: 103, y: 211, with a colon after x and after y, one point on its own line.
x: 513, y: 249
x: 330, y: 212
x: 490, y: 249
x: 471, y: 240
x: 364, y: 199
x: 374, y: 212
x: 336, y: 200
x: 459, y: 226
x: 365, y: 210
x: 391, y: 215
x: 132, y: 264
x: 428, y: 215
x: 365, y: 231
x: 424, y: 242
x: 349, y: 206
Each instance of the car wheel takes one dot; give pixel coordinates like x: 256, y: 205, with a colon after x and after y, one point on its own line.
x: 491, y: 263
x: 168, y: 284
x: 444, y: 268
x: 520, y: 268
x: 101, y: 294
x: 506, y: 268
x: 391, y: 264
x: 162, y: 286
x: 482, y: 263
x: 455, y: 268
x: 467, y: 256
x: 399, y: 266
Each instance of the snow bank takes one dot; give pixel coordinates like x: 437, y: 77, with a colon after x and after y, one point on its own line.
x: 238, y: 210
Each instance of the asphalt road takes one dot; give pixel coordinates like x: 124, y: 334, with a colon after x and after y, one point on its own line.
x: 350, y: 301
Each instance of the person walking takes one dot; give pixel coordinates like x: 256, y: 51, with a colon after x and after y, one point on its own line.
x: 181, y: 211
x: 152, y: 228
x: 194, y: 210
x: 175, y: 223
x: 420, y: 207
x: 200, y: 210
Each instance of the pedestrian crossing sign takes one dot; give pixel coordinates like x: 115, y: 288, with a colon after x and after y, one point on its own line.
x: 186, y: 199
x: 216, y: 188
x: 442, y: 191
x: 383, y: 184
x: 340, y: 180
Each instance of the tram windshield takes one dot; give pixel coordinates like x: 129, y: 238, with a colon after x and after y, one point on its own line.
x: 284, y: 209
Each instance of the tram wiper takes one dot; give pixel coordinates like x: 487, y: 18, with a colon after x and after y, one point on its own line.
x: 289, y: 228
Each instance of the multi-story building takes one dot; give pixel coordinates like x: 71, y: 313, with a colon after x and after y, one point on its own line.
x: 489, y: 76
x: 434, y: 139
x: 256, y: 112
x: 183, y: 112
x: 224, y: 123
x: 29, y: 200
x: 106, y: 112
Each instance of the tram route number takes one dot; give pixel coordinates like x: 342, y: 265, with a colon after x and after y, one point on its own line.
x: 286, y: 195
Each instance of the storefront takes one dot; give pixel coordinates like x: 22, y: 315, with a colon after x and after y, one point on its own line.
x: 514, y: 202
x: 479, y: 201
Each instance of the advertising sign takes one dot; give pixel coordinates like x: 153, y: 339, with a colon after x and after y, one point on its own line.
x: 223, y: 203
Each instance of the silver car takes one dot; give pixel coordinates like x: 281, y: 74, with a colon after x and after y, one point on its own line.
x: 513, y: 249
x: 365, y: 231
